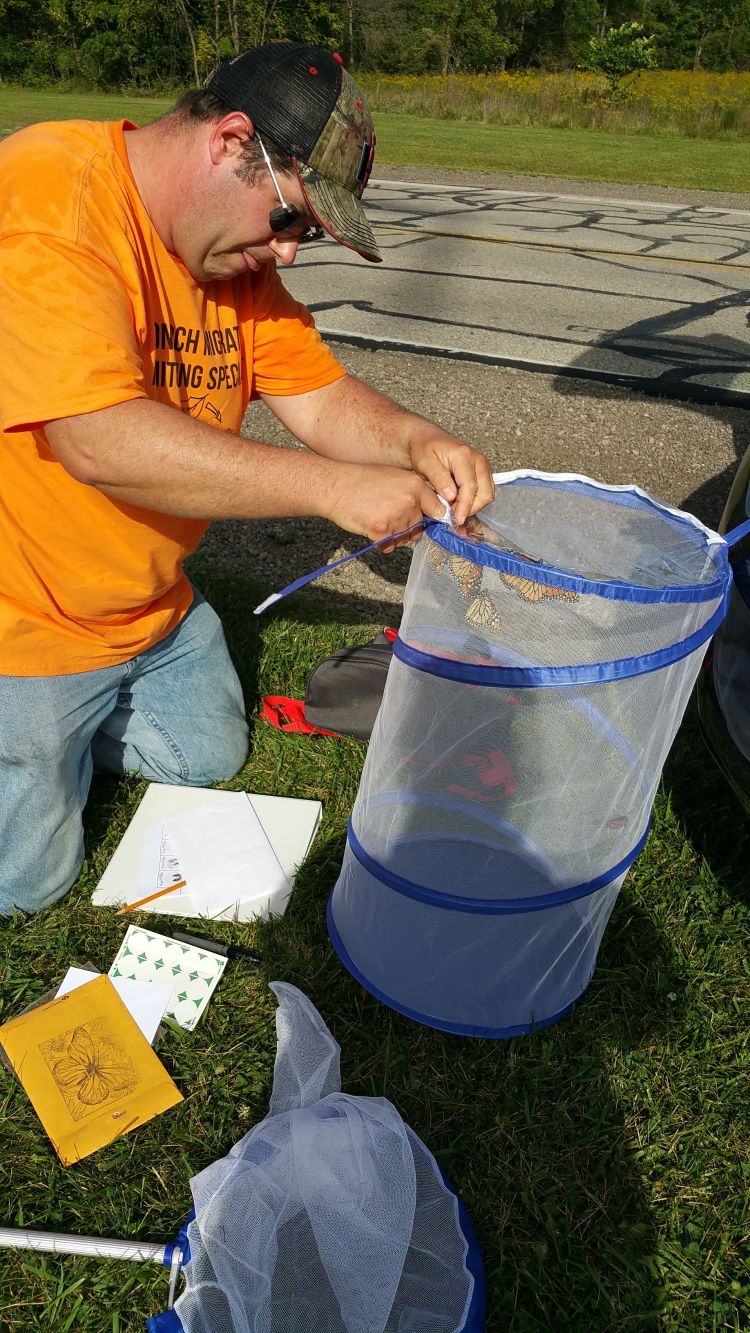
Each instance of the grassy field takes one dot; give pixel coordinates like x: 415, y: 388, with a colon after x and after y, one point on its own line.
x: 604, y: 1160
x: 453, y: 145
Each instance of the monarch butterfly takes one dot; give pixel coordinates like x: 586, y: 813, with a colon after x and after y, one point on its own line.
x: 436, y: 556
x: 482, y: 613
x: 466, y: 574
x: 477, y: 532
x: 535, y: 592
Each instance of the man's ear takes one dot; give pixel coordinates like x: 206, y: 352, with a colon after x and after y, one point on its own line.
x: 229, y: 135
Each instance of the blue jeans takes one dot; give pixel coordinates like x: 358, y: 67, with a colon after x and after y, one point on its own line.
x: 173, y: 714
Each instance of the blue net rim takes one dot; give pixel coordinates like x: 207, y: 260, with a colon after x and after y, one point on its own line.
x: 169, y: 1321
x: 614, y: 589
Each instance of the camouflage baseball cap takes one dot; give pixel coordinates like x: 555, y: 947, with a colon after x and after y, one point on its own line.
x: 302, y: 97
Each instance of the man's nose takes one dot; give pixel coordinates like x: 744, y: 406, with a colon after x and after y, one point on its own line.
x: 285, y: 249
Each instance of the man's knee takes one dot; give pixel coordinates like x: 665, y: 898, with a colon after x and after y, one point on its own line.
x: 219, y: 756
x: 181, y: 755
x: 32, y: 878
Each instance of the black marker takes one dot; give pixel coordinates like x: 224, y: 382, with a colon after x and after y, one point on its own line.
x: 215, y: 946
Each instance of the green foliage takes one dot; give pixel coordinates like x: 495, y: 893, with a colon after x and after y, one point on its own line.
x: 121, y: 45
x: 619, y: 52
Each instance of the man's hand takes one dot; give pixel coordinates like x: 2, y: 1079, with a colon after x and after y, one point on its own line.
x: 353, y: 423
x: 375, y: 500
x: 459, y: 473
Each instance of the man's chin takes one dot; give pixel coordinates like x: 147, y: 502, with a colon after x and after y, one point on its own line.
x: 225, y: 267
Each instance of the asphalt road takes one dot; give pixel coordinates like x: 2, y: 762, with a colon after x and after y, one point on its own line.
x: 681, y: 450
x: 634, y: 291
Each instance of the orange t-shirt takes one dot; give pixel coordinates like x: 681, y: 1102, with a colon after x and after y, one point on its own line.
x: 95, y: 311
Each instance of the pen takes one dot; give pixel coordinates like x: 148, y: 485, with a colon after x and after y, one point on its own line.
x: 215, y: 946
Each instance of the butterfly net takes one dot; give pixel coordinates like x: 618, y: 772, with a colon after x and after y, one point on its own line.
x: 330, y: 1216
x: 545, y: 658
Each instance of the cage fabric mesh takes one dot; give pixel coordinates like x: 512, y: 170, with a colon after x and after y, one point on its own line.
x: 731, y: 664
x: 545, y: 658
x: 330, y: 1216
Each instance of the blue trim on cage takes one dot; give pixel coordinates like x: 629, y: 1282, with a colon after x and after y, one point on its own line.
x: 579, y: 703
x: 554, y: 677
x: 550, y: 575
x: 430, y: 1020
x: 453, y: 902
x: 476, y: 1315
x: 627, y: 498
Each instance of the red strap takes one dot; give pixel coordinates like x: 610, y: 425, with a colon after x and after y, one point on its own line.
x: 289, y: 715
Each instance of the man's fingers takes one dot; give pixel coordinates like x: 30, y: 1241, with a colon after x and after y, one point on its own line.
x: 485, y: 486
x: 431, y: 504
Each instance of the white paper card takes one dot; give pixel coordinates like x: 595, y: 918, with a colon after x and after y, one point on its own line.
x: 191, y: 973
x: 145, y: 1001
x: 159, y: 866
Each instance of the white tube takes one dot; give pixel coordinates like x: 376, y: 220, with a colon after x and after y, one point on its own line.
x: 98, y: 1247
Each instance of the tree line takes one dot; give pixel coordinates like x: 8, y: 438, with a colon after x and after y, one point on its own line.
x: 142, y: 45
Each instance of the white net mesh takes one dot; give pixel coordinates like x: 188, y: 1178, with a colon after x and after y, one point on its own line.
x: 329, y: 1217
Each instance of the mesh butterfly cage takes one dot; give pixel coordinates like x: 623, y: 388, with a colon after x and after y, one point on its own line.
x: 545, y: 658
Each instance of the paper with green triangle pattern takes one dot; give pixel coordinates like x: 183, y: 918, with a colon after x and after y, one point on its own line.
x: 193, y: 973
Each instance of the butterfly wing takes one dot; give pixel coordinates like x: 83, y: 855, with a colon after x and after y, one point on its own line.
x: 531, y: 591
x: 482, y: 613
x: 467, y: 575
x: 436, y: 556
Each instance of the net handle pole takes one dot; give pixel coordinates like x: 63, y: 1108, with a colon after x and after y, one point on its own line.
x: 97, y: 1247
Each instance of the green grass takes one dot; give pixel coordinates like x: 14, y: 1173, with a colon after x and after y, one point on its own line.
x: 449, y: 145
x: 604, y: 1160
x: 591, y: 155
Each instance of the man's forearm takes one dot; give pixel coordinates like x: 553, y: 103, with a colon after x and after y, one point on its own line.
x: 150, y: 455
x: 351, y: 422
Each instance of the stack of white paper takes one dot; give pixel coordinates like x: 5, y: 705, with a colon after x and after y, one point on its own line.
x: 236, y: 852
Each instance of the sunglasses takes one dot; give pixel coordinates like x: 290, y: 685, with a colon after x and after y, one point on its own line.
x: 284, y: 218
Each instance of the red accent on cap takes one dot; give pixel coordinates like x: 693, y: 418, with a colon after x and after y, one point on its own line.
x: 336, y: 56
x: 313, y: 69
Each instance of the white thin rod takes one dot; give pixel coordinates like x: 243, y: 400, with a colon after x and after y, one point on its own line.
x: 98, y: 1247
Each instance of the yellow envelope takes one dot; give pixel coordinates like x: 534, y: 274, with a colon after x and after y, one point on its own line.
x: 87, y: 1068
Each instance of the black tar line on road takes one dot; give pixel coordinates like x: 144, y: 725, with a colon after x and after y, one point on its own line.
x: 663, y: 386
